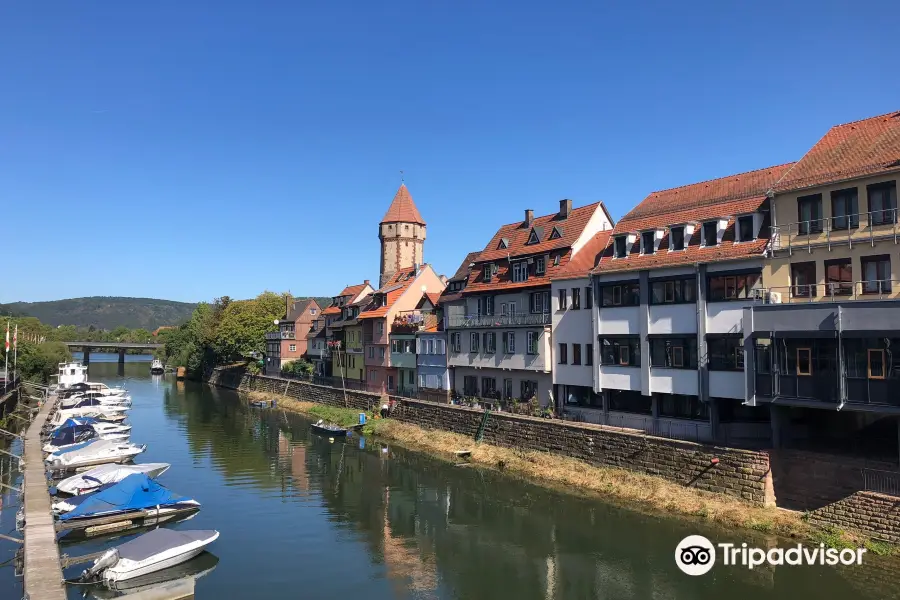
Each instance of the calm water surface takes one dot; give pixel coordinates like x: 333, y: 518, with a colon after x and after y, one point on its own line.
x: 302, y: 517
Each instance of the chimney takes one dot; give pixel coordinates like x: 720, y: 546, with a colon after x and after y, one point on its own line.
x: 287, y: 305
x: 565, y: 207
x: 416, y: 269
x: 366, y: 282
x: 529, y: 217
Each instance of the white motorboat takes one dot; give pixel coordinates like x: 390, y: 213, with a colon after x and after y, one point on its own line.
x: 113, y: 414
x: 95, y: 452
x: 76, y: 431
x: 154, y: 551
x: 98, y: 476
x: 94, y: 399
x: 96, y: 388
x: 156, y: 366
x: 70, y: 373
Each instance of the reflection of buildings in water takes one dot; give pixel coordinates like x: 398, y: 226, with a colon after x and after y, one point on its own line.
x: 296, y: 454
x: 404, y: 563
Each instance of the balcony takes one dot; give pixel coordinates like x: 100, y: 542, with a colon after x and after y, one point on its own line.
x: 874, y: 289
x: 280, y: 335
x: 507, y: 320
x: 411, y: 321
x: 847, y: 229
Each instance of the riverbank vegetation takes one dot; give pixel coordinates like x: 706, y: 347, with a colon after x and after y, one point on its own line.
x: 629, y: 489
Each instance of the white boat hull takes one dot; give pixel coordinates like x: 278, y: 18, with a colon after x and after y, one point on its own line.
x: 126, y: 569
x: 108, y: 452
x: 78, y: 484
x: 50, y: 449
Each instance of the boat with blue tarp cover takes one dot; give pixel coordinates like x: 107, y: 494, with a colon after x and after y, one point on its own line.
x: 136, y: 492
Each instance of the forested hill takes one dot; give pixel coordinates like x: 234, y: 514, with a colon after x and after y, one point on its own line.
x: 105, y: 312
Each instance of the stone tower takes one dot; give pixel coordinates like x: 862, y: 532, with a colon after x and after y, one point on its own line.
x: 402, y: 236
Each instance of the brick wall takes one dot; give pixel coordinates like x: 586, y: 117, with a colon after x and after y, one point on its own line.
x: 876, y: 515
x: 740, y: 473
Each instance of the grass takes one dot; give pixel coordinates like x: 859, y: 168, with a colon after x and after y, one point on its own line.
x: 619, y: 486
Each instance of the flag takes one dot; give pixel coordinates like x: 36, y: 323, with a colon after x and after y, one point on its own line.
x: 7, y: 336
x: 16, y: 338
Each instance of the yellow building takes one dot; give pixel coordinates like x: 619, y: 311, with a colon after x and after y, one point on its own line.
x: 347, y: 359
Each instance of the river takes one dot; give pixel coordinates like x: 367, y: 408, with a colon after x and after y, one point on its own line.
x: 302, y: 517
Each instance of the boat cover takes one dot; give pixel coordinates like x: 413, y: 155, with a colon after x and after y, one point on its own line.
x: 135, y: 492
x: 160, y: 540
x: 76, y: 447
x: 72, y: 421
x: 76, y: 500
x: 72, y: 434
x: 109, y: 474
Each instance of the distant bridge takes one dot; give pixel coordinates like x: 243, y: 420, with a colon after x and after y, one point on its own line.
x: 121, y: 347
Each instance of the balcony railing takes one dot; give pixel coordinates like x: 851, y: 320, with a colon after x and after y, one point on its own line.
x: 507, y: 320
x: 843, y: 229
x: 876, y: 289
x: 280, y: 335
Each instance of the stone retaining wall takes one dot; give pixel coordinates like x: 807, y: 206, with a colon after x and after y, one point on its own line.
x: 740, y: 473
x: 876, y: 515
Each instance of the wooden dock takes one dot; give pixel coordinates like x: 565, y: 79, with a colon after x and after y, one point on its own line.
x: 43, y: 573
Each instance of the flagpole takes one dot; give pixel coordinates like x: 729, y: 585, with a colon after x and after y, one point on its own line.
x: 6, y: 360
x: 16, y: 350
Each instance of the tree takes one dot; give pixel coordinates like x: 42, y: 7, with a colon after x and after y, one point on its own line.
x: 244, y: 324
x: 298, y: 367
x: 40, y: 361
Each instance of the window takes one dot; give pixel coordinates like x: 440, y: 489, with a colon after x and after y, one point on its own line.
x: 804, y: 361
x: 486, y: 305
x: 674, y: 352
x: 531, y: 338
x: 490, y: 342
x: 711, y: 233
x: 381, y: 352
x: 681, y: 406
x: 379, y: 327
x: 876, y: 272
x: 292, y: 348
x: 675, y: 291
x: 746, y: 231
x: 520, y: 271
x: 809, y: 213
x: 488, y: 271
x: 539, y: 302
x: 507, y: 389
x: 488, y: 387
x: 371, y: 351
x: 624, y: 294
x: 588, y: 297
x: 576, y: 298
x: 473, y: 342
x: 540, y: 265
x: 803, y: 279
x: 588, y: 354
x: 726, y: 353
x: 555, y: 234
x: 470, y: 385
x: 838, y: 277
x: 734, y: 287
x: 422, y: 380
x: 621, y: 351
x: 395, y: 346
x: 563, y: 353
x: 576, y: 354
x: 533, y: 238
x: 876, y: 364
x: 562, y: 299
x: 529, y: 389
x: 648, y: 242
x: 882, y: 203
x: 629, y: 401
x: 676, y: 238
x: 509, y: 342
x: 512, y: 305
x: 620, y: 246
x: 456, y: 341
x: 844, y: 209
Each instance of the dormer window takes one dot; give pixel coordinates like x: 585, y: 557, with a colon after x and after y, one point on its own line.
x: 746, y: 229
x: 620, y: 246
x: 676, y: 238
x: 540, y: 265
x: 504, y: 244
x: 533, y: 237
x: 555, y: 234
x: 520, y: 271
x: 648, y: 242
x: 488, y: 271
x: 710, y: 233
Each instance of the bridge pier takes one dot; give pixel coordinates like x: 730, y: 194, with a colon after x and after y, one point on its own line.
x: 86, y: 351
x: 121, y: 356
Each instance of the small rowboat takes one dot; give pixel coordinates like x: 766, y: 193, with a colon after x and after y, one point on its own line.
x: 329, y: 429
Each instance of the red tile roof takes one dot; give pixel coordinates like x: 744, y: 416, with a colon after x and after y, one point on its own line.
x: 332, y: 310
x: 517, y: 234
x: 462, y: 274
x: 433, y: 297
x: 858, y: 149
x: 718, y: 198
x: 586, y: 258
x: 394, y: 288
x: 402, y: 209
x: 354, y: 290
x: 503, y: 279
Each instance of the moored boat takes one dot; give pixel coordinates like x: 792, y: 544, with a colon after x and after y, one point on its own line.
x: 135, y: 493
x: 94, y: 452
x: 91, y: 480
x: 151, y: 552
x: 157, y: 367
x: 329, y: 429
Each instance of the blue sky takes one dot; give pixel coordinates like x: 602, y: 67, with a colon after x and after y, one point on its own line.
x: 187, y: 150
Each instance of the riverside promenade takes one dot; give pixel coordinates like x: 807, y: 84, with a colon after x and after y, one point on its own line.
x: 43, y: 572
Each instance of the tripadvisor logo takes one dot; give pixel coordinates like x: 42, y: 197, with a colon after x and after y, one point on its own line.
x: 696, y: 555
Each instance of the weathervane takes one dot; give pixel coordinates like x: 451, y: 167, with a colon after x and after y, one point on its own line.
x: 401, y: 176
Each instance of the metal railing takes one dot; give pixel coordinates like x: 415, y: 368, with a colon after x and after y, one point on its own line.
x: 875, y: 289
x: 882, y: 482
x: 842, y: 229
x: 507, y: 320
x: 280, y: 335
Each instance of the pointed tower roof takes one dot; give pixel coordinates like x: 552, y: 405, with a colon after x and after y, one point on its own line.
x: 403, y: 209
